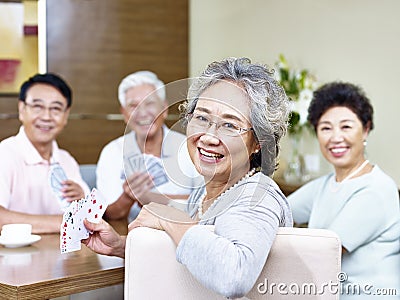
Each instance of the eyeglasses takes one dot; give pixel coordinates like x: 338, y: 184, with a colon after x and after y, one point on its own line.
x: 223, y: 128
x: 38, y: 108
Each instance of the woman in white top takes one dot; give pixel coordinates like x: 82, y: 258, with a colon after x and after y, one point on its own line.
x: 358, y: 200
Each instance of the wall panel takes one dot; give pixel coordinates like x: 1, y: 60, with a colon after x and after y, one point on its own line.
x: 94, y: 44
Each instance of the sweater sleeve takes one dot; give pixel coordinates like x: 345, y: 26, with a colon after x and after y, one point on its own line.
x: 302, y: 200
x: 230, y: 259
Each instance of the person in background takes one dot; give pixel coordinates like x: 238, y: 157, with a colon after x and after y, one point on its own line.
x: 358, y: 200
x: 26, y: 195
x: 236, y: 115
x: 144, y: 107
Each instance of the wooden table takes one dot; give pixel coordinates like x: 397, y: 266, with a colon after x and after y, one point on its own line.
x: 40, y: 271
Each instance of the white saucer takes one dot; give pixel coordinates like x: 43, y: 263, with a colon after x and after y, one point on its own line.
x: 15, y: 244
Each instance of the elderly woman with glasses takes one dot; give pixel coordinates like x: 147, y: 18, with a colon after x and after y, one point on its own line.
x: 236, y: 114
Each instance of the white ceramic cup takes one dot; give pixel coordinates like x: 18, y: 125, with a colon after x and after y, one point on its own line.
x: 16, y: 232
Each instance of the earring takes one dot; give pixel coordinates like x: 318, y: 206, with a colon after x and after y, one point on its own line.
x: 365, y: 143
x: 255, y: 152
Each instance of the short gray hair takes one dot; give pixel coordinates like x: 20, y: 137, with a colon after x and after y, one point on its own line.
x: 139, y: 78
x: 269, y: 105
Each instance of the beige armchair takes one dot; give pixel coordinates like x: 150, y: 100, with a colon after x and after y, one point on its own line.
x: 303, y: 264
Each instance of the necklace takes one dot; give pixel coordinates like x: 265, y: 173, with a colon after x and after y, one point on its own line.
x: 358, y: 170
x: 200, y: 207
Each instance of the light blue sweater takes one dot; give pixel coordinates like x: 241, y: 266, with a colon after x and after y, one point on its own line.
x: 364, y: 212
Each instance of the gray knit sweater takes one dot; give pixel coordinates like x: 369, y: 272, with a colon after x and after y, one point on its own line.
x: 229, y: 259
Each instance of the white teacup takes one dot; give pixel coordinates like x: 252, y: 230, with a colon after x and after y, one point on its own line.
x: 16, y: 232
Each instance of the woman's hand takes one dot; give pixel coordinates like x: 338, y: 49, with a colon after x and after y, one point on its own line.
x: 72, y: 191
x: 137, y: 184
x: 158, y: 216
x: 104, y: 239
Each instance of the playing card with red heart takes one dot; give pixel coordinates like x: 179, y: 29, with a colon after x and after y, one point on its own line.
x: 72, y: 230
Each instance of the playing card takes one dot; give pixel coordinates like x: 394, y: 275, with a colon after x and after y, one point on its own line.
x: 136, y: 163
x: 80, y: 231
x: 146, y: 163
x: 72, y: 230
x: 157, y: 173
x: 155, y: 168
x: 57, y: 177
x: 67, y: 241
x: 94, y: 207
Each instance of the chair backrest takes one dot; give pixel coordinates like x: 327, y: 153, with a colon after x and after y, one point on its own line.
x: 303, y: 264
x: 88, y: 173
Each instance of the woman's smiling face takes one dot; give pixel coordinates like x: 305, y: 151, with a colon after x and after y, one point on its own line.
x: 218, y: 156
x: 341, y: 136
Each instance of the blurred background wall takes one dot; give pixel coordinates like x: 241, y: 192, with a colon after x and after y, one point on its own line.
x: 349, y: 40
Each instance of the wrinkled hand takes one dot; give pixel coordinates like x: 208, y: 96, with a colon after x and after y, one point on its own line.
x: 72, y: 191
x: 137, y: 184
x: 157, y: 216
x: 104, y: 239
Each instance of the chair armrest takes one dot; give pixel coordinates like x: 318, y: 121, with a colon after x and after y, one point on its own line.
x: 304, y: 258
x: 298, y: 256
x: 152, y: 272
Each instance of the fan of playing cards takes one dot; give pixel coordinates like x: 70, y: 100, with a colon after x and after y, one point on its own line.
x: 146, y: 163
x: 57, y: 177
x: 92, y: 208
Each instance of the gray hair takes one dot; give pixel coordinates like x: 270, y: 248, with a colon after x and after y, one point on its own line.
x: 139, y: 78
x: 269, y: 105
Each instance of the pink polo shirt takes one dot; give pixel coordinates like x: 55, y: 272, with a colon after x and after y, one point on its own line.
x: 24, y: 176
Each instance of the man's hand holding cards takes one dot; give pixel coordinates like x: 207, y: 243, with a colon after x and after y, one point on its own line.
x: 57, y: 177
x: 156, y: 169
x: 147, y: 163
x: 92, y: 208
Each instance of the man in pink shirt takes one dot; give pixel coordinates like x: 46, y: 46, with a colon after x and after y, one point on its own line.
x: 26, y: 195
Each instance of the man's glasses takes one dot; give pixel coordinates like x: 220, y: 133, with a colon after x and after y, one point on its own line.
x: 38, y: 108
x: 202, y: 123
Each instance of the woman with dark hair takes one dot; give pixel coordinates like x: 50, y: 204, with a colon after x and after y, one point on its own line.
x: 358, y: 200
